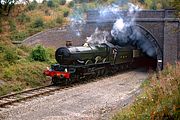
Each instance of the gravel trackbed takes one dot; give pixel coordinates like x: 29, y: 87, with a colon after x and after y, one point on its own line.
x: 96, y: 100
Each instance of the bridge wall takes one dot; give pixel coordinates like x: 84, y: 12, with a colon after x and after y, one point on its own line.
x: 162, y: 24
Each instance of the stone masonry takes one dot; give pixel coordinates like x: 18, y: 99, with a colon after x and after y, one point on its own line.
x: 161, y: 24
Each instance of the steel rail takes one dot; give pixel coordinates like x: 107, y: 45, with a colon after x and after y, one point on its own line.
x: 26, y: 94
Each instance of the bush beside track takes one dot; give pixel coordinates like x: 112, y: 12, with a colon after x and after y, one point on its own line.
x: 160, y: 99
x: 20, y: 70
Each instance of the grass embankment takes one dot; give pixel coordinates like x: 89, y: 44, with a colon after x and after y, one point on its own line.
x: 160, y: 99
x: 26, y: 20
x: 22, y: 67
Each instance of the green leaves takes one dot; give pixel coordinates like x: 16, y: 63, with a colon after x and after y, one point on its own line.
x: 39, y: 54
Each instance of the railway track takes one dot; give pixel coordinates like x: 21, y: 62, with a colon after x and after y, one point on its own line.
x: 32, y: 93
x: 27, y: 94
x: 35, y: 92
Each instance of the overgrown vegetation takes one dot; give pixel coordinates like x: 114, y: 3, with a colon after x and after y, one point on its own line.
x: 160, y: 99
x: 21, y: 67
x: 27, y: 19
x: 39, y: 53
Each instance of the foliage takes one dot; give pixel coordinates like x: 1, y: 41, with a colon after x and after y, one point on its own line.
x: 18, y: 36
x: 160, y: 4
x: 39, y: 54
x: 62, y: 2
x: 65, y: 12
x: 22, y: 75
x: 32, y: 30
x: 33, y: 5
x: 7, y: 88
x: 176, y: 4
x: 153, y: 5
x: 12, y: 25
x: 38, y: 23
x: 23, y: 18
x: 6, y: 6
x: 71, y: 4
x: 50, y: 4
x: 160, y: 100
x: 10, y: 55
x: 59, y: 20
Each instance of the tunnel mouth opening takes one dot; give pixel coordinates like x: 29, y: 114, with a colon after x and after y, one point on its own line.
x: 154, y: 63
x: 142, y: 39
x: 149, y: 63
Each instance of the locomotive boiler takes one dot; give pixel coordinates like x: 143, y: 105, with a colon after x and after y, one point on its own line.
x: 90, y: 60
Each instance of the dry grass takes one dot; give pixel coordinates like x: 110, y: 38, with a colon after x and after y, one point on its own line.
x: 18, y: 71
x: 160, y: 99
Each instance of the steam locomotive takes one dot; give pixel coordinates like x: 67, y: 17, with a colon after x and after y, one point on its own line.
x: 90, y: 60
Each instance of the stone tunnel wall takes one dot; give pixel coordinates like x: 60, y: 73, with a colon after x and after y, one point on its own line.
x: 162, y: 24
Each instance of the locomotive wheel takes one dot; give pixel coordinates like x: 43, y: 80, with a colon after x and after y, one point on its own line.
x: 55, y: 81
x: 67, y: 81
x: 98, y: 73
x: 102, y: 72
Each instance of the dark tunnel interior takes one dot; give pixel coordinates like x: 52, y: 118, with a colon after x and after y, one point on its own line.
x: 142, y: 39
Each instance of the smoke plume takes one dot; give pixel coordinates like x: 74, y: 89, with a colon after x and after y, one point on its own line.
x: 124, y: 31
x: 99, y: 37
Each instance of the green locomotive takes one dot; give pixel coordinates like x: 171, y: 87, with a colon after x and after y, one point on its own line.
x: 91, y: 60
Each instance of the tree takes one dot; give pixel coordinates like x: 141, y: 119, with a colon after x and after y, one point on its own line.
x: 50, y: 3
x: 153, y: 5
x: 32, y: 5
x: 176, y: 4
x: 6, y: 6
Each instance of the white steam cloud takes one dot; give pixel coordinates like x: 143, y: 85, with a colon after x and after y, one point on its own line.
x: 123, y: 31
x: 99, y: 37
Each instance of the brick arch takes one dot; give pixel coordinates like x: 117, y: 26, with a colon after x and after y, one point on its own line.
x: 155, y: 44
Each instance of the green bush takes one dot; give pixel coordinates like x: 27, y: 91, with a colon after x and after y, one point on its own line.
x: 10, y: 56
x: 39, y: 54
x: 32, y: 5
x: 8, y: 74
x: 12, y: 25
x: 62, y: 2
x: 65, y: 12
x: 23, y: 18
x: 59, y: 20
x: 38, y: 23
x: 32, y: 30
x: 51, y: 24
x: 71, y: 4
x: 50, y: 4
x: 18, y: 36
x: 153, y: 5
x: 1, y: 48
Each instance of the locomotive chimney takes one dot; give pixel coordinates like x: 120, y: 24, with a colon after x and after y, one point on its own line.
x: 68, y: 43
